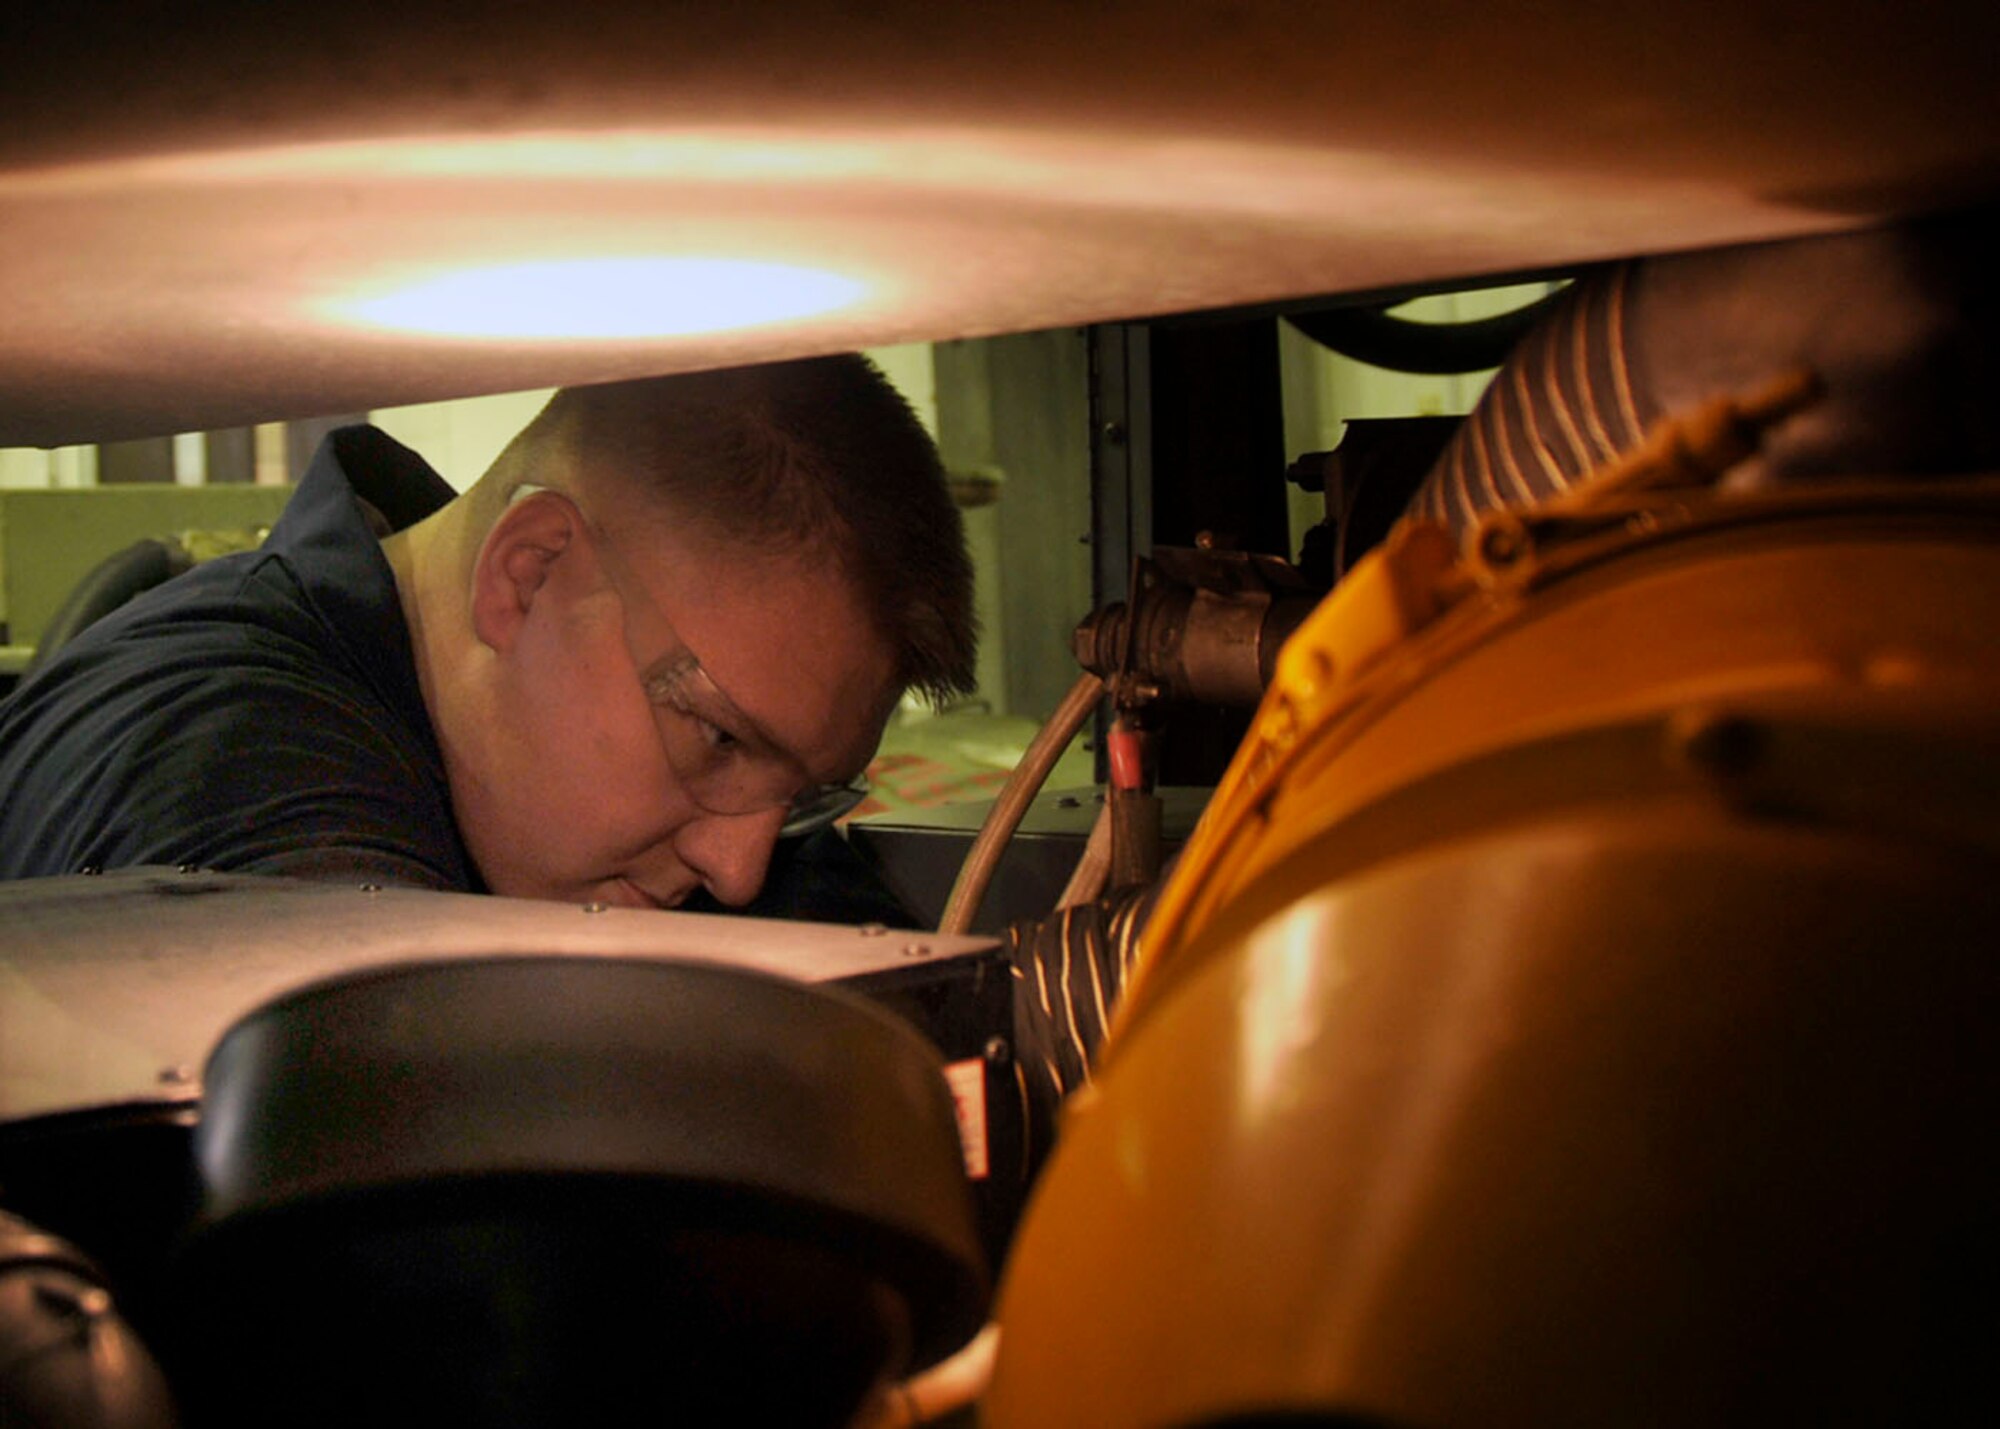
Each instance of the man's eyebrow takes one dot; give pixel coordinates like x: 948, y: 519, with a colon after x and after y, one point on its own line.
x: 667, y: 666
x: 678, y: 667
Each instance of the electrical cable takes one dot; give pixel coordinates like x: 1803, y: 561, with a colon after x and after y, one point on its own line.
x: 949, y: 1385
x: 1093, y: 868
x: 1013, y: 800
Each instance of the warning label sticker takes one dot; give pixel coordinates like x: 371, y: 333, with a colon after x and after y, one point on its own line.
x: 968, y: 1095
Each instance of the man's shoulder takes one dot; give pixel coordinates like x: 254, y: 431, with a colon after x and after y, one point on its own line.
x: 249, y: 617
x: 208, y: 664
x: 257, y: 711
x: 206, y: 673
x: 247, y: 609
x: 224, y: 742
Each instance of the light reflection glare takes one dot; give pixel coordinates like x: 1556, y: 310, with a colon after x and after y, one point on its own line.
x: 606, y: 298
x: 1286, y: 1006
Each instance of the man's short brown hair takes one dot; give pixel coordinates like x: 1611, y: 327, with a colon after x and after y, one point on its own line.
x: 815, y: 457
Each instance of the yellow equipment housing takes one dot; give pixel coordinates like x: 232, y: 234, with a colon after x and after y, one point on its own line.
x: 1577, y: 1004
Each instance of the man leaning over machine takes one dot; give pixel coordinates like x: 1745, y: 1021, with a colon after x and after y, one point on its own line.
x: 670, y: 614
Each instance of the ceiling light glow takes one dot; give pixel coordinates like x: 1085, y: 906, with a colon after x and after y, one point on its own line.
x: 605, y: 298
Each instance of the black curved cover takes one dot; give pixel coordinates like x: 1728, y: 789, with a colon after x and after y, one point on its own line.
x: 541, y: 1187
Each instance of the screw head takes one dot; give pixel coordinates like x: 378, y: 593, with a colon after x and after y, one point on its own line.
x: 1500, y: 544
x: 1717, y: 743
x: 84, y: 1303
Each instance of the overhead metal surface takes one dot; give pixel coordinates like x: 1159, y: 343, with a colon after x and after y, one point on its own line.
x: 187, y: 197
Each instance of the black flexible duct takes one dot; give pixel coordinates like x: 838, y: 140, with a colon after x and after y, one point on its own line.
x: 1375, y: 336
x: 1890, y: 321
x: 1069, y: 972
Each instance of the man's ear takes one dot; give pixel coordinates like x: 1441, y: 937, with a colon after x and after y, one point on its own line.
x: 517, y: 561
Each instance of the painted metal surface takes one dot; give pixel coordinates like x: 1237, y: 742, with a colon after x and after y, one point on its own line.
x: 1634, y: 1115
x: 113, y: 989
x: 1575, y: 1007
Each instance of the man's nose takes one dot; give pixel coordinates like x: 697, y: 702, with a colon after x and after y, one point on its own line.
x: 730, y: 852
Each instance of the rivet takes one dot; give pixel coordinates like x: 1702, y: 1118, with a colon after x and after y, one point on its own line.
x: 595, y: 907
x: 371, y: 888
x: 873, y: 930
x: 188, y: 868
x: 916, y: 950
x: 175, y: 1076
x: 997, y: 1050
